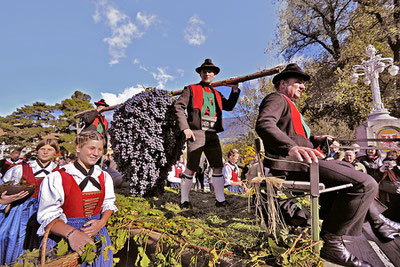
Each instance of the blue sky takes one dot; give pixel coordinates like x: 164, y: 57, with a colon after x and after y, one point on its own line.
x: 109, y: 49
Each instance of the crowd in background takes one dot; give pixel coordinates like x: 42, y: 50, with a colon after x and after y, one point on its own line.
x: 234, y: 172
x: 385, y: 169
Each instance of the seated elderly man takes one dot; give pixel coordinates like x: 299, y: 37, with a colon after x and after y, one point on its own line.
x: 335, y: 152
x: 350, y: 157
x: 287, y: 138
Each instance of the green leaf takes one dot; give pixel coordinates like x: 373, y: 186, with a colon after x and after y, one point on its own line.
x: 62, y: 247
x: 89, y: 255
x: 145, y: 261
x: 184, y: 233
x: 198, y: 232
x: 275, y: 249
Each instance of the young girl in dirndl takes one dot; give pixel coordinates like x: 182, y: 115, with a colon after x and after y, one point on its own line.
x: 19, y: 225
x: 81, y: 198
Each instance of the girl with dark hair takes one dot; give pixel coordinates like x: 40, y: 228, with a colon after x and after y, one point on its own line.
x: 19, y: 224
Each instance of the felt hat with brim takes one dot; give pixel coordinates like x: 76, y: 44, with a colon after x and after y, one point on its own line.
x: 208, y: 65
x: 102, y: 102
x: 291, y: 70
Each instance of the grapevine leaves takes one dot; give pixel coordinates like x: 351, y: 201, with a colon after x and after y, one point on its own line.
x: 62, y: 247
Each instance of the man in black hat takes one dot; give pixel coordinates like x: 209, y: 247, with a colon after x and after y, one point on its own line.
x: 95, y: 120
x: 286, y: 138
x: 203, y: 105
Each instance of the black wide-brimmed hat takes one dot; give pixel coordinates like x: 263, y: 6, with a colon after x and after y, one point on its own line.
x: 208, y: 65
x: 102, y: 102
x: 291, y: 70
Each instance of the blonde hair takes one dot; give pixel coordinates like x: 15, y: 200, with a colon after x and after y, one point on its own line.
x: 51, y: 142
x: 86, y: 136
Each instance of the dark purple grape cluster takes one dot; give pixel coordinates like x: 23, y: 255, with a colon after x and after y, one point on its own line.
x: 146, y: 140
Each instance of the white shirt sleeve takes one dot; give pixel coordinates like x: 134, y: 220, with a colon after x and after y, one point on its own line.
x: 171, y: 174
x: 13, y: 174
x: 109, y: 197
x: 51, y: 198
x: 227, y: 173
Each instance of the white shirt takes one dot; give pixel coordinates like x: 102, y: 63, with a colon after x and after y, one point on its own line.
x: 9, y: 160
x: 15, y: 173
x: 171, y: 175
x: 227, y: 172
x: 51, y: 194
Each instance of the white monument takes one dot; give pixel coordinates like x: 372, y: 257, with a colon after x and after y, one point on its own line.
x: 379, y: 124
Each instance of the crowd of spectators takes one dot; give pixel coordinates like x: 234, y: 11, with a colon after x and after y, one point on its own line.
x: 384, y: 168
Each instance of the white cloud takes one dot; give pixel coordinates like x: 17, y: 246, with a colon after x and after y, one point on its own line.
x: 136, y: 61
x: 300, y: 59
x: 162, y: 77
x: 147, y: 20
x: 113, y: 99
x: 123, y: 30
x: 181, y: 72
x: 143, y: 68
x: 193, y: 33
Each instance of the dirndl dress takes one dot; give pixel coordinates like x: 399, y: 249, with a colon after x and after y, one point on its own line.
x: 78, y: 224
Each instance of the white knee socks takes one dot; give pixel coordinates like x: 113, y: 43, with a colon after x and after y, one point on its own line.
x: 218, y: 183
x: 186, y: 185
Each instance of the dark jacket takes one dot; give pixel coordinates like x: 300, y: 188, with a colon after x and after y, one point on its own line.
x: 193, y: 119
x: 275, y: 127
x: 372, y: 165
x: 91, y: 119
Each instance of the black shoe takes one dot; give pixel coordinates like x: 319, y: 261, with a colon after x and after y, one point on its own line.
x: 393, y: 224
x: 334, y: 251
x: 222, y: 204
x: 383, y: 231
x: 186, y: 205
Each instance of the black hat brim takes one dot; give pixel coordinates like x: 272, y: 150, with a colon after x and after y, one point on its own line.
x: 215, y: 69
x: 288, y: 74
x: 101, y: 104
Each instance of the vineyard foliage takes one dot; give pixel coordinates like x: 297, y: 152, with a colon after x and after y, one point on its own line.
x: 156, y: 232
x: 204, y: 236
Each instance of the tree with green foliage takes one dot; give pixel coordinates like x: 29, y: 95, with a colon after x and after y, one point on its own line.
x: 316, y: 25
x: 66, y: 123
x: 385, y: 16
x: 246, y: 109
x: 245, y: 145
x: 26, y: 125
x: 335, y: 34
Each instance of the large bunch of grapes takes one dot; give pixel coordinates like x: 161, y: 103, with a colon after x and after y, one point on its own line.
x: 146, y: 141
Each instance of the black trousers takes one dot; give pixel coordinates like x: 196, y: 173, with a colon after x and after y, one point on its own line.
x: 346, y: 209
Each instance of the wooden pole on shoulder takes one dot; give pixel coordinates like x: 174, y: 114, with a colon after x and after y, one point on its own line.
x: 234, y: 80
x: 80, y: 114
